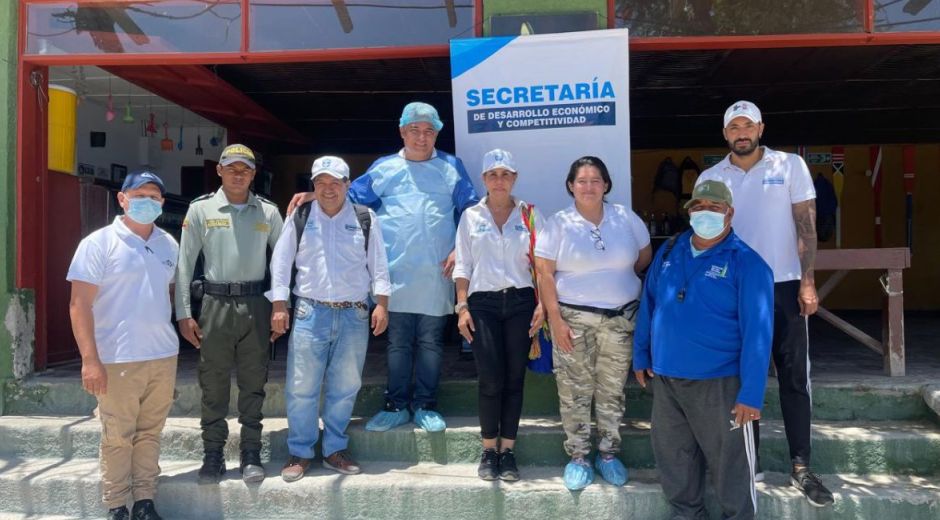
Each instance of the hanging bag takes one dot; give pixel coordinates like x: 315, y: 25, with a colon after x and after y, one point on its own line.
x: 540, y: 352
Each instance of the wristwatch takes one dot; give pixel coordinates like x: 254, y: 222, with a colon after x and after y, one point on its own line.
x: 459, y: 307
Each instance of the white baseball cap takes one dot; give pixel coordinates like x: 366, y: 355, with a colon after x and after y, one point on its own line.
x: 332, y: 165
x: 498, y: 158
x: 742, y: 109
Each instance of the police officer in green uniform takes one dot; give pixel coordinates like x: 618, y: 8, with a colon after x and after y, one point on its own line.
x: 232, y: 228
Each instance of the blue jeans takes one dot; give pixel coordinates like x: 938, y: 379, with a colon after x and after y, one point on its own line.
x: 415, y: 344
x: 330, y: 343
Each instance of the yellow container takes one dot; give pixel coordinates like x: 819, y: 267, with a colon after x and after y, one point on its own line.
x: 63, y: 105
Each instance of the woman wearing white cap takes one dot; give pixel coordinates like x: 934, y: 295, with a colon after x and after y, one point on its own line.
x: 588, y: 256
x: 496, y: 306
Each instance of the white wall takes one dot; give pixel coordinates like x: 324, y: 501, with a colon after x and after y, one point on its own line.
x: 121, y: 144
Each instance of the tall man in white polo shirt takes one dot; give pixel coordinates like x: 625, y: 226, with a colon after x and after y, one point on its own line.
x: 775, y: 214
x: 340, y: 259
x: 122, y: 279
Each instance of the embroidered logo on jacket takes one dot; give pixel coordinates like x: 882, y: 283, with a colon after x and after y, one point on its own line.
x: 715, y: 272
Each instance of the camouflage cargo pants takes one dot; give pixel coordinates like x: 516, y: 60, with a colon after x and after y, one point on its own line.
x: 595, y: 370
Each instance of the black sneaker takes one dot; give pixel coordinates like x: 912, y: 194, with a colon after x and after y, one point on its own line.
x: 250, y: 466
x: 118, y: 513
x: 489, y: 465
x: 213, y: 466
x: 507, y: 466
x: 809, y: 483
x: 144, y: 510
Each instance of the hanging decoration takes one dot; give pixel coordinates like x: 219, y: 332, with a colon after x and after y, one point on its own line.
x: 166, y: 144
x: 109, y: 115
x: 179, y: 144
x: 199, y: 149
x: 128, y: 117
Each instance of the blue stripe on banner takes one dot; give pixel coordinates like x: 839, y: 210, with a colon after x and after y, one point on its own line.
x: 601, y: 113
x: 468, y: 53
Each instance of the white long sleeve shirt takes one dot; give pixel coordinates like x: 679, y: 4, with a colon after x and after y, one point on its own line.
x: 490, y: 259
x: 332, y: 264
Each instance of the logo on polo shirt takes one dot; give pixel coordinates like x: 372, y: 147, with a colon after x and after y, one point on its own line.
x: 715, y: 272
x: 351, y: 227
x: 483, y: 227
x: 520, y: 227
x: 262, y: 227
x: 774, y: 180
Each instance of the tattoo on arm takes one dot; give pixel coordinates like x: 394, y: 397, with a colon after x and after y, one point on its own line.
x: 804, y: 215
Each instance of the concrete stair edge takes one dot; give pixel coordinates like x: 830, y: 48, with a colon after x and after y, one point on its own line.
x: 831, y: 400
x: 877, y: 447
x: 395, y: 490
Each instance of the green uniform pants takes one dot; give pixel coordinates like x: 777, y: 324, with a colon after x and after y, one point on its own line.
x: 236, y: 333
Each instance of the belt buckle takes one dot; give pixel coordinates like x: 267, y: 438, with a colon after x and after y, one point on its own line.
x: 235, y: 289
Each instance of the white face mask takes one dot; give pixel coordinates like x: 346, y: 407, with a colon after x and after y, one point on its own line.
x: 707, y: 224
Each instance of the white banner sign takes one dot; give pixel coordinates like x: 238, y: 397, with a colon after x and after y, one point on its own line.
x: 548, y: 100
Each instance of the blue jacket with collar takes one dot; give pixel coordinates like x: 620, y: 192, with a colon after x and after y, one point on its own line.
x: 722, y: 324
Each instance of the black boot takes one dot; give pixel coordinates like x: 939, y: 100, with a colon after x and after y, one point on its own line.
x: 250, y: 467
x: 213, y: 466
x: 118, y: 513
x: 144, y: 510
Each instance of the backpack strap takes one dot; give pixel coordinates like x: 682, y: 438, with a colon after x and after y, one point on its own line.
x: 301, y: 214
x: 365, y: 221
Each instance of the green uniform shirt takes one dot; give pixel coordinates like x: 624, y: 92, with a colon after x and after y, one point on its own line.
x: 232, y: 241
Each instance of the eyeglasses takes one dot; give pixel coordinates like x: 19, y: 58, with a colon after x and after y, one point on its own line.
x: 598, y: 241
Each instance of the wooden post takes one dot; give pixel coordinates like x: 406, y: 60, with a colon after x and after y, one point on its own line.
x: 892, y: 323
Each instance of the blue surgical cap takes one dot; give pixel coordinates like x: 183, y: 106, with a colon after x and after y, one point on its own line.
x: 418, y: 112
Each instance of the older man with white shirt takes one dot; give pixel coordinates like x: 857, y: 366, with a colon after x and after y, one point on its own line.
x: 338, y: 250
x: 122, y: 279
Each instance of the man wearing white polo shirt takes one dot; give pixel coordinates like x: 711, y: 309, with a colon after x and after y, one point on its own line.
x: 775, y: 214
x: 122, y: 279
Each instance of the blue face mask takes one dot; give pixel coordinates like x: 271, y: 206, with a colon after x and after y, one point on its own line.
x: 707, y: 224
x: 143, y: 210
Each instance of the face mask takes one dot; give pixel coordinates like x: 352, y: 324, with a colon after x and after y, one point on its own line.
x: 143, y: 210
x: 707, y: 224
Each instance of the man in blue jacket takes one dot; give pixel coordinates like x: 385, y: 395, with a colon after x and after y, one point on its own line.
x: 702, y: 341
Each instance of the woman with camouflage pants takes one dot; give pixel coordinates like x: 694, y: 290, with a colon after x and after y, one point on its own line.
x: 588, y: 256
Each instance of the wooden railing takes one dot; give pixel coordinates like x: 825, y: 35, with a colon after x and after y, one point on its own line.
x: 890, y: 260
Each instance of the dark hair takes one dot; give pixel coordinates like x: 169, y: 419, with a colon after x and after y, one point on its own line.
x: 588, y: 160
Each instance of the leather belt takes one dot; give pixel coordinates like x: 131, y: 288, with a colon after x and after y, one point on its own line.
x: 342, y: 305
x: 628, y: 309
x: 255, y: 288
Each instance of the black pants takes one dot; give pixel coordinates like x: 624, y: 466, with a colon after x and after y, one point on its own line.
x: 501, y: 350
x: 790, y: 355
x: 691, y: 434
x: 235, y: 335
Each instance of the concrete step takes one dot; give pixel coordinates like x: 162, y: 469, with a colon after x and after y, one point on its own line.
x: 838, y: 447
x: 886, y: 400
x: 430, y: 491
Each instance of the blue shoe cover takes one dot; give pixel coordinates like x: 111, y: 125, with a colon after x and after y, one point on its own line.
x: 386, y: 420
x: 612, y: 470
x: 429, y: 420
x: 578, y: 474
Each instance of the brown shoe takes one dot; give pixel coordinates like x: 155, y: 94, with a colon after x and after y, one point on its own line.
x: 295, y: 468
x: 343, y: 463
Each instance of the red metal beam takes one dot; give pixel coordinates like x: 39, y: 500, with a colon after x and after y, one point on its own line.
x: 478, y: 18
x: 782, y: 41
x: 868, y: 24
x: 31, y: 180
x: 197, y: 88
